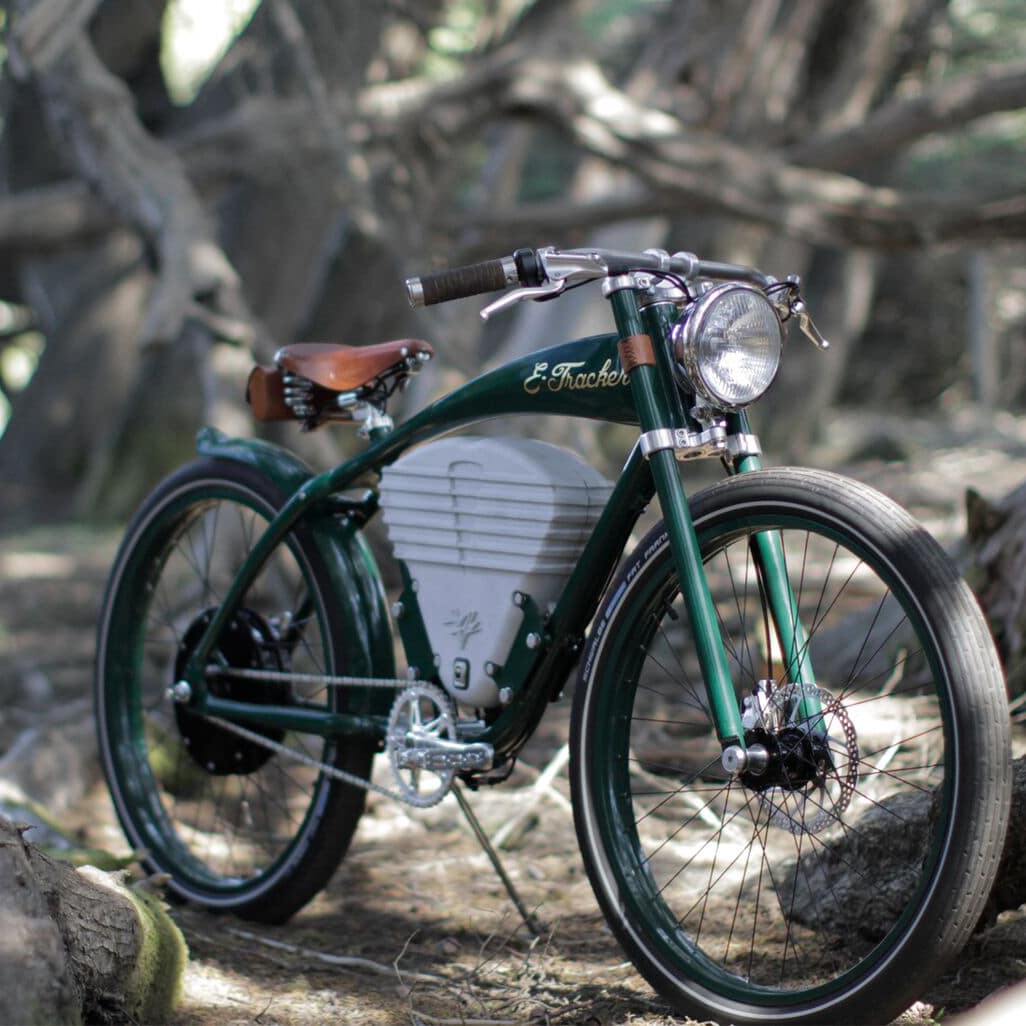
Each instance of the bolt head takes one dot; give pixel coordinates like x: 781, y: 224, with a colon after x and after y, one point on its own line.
x: 181, y: 691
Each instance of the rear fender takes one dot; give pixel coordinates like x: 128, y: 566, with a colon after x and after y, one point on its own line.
x: 355, y: 577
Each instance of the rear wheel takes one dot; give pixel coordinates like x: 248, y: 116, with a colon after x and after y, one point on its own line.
x: 831, y: 885
x: 233, y: 821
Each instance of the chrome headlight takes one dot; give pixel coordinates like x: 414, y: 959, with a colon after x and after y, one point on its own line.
x: 727, y: 346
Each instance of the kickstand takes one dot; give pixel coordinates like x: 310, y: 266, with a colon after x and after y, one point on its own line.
x: 493, y: 857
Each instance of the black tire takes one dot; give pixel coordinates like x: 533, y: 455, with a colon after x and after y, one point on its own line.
x: 836, y: 885
x: 236, y: 826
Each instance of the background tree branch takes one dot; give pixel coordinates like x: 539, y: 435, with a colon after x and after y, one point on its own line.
x: 140, y: 178
x: 337, y: 145
x: 681, y: 167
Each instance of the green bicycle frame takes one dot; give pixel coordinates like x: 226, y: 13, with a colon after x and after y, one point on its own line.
x: 583, y: 378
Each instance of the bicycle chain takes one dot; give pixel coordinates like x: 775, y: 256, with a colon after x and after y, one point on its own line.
x: 237, y: 673
x: 328, y: 770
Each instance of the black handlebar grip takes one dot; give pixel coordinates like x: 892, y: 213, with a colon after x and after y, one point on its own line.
x: 460, y: 282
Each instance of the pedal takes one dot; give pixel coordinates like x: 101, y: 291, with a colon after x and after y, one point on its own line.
x: 439, y: 755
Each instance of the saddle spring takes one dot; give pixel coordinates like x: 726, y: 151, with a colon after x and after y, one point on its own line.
x: 313, y: 404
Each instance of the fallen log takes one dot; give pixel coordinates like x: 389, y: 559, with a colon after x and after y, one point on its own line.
x: 79, y: 945
x: 830, y: 890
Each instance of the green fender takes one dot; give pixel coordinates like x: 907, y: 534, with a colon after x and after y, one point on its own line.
x: 355, y: 578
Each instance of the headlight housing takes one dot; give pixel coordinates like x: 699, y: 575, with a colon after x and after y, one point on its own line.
x: 727, y: 346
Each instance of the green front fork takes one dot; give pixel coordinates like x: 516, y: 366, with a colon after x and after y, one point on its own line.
x: 771, y: 567
x: 655, y: 399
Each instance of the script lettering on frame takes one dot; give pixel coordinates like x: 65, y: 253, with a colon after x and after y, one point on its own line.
x: 570, y: 376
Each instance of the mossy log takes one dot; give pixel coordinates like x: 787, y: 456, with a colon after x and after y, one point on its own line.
x: 79, y: 945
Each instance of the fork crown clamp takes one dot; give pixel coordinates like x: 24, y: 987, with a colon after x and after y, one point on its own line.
x: 696, y: 445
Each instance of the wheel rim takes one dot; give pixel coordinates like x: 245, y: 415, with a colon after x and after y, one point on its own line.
x: 226, y: 832
x: 696, y: 859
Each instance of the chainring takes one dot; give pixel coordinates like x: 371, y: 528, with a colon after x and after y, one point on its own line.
x: 421, y: 713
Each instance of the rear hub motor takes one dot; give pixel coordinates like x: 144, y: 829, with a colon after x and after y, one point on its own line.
x: 249, y: 643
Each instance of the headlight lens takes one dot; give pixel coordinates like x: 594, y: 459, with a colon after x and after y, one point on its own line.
x: 728, y: 344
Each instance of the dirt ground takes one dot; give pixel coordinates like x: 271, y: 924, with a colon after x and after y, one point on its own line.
x: 415, y: 927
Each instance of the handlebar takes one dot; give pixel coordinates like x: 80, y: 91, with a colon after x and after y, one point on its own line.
x: 460, y: 282
x: 538, y: 268
x: 516, y: 271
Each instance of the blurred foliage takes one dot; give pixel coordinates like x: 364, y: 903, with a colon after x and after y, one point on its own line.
x: 991, y: 152
x: 914, y: 352
x: 679, y: 58
x: 987, y: 30
x: 919, y: 328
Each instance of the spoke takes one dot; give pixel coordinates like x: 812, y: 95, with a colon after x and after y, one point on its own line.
x: 233, y: 825
x: 737, y: 901
x: 741, y: 604
x: 712, y: 864
x: 819, y: 617
x: 209, y: 526
x: 701, y: 850
x: 776, y: 868
x: 681, y: 680
x: 912, y: 689
x: 698, y: 814
x: 903, y: 741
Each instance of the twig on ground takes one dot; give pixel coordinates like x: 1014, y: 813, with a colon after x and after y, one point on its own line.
x: 514, y: 828
x: 422, y: 1017
x: 342, y: 961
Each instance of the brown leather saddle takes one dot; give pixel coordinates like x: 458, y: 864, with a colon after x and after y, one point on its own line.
x: 307, y: 378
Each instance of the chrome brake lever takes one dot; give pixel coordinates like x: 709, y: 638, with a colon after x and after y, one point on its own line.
x: 808, y: 328
x: 549, y: 289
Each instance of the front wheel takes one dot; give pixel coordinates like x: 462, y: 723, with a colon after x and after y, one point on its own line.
x: 236, y: 823
x: 834, y: 883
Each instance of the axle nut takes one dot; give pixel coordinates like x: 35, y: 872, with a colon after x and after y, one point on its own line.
x: 734, y: 760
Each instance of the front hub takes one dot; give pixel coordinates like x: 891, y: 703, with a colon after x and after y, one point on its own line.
x: 808, y: 768
x: 796, y: 757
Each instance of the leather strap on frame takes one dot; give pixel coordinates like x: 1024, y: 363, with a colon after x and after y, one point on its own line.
x: 636, y: 351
